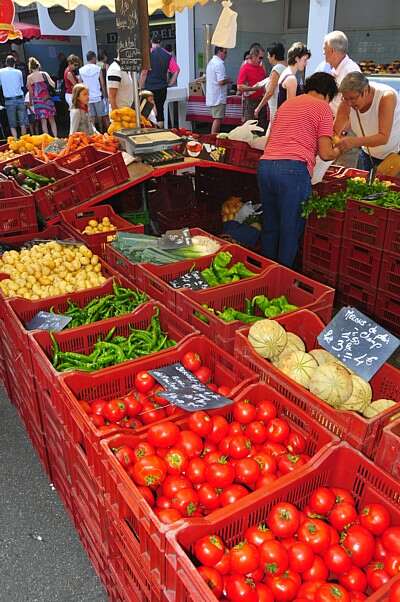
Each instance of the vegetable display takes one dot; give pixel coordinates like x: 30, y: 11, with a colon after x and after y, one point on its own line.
x: 95, y: 227
x: 114, y: 349
x: 49, y: 269
x: 319, y: 371
x: 7, y: 155
x: 269, y: 307
x: 30, y: 144
x: 27, y: 179
x: 219, y: 273
x: 123, y: 301
x: 125, y: 118
x: 325, y: 552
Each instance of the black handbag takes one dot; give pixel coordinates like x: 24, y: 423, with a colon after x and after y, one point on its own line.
x: 51, y: 90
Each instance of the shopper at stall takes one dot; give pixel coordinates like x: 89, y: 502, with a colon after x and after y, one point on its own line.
x: 276, y: 58
x: 12, y: 84
x: 336, y: 45
x: 92, y: 76
x: 119, y: 86
x: 251, y: 73
x: 372, y: 111
x: 290, y: 82
x: 79, y: 114
x: 20, y: 65
x: 39, y: 87
x: 301, y: 130
x: 71, y: 77
x: 217, y: 87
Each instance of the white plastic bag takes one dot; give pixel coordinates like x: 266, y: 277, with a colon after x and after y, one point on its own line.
x: 320, y: 169
x: 245, y: 132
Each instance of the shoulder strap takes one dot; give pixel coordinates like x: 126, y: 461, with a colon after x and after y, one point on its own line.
x: 363, y: 133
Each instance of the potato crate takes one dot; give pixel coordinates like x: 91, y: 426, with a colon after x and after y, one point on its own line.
x: 387, y: 311
x: 388, y: 453
x: 389, y: 277
x: 365, y: 223
x: 154, y: 280
x: 17, y: 210
x: 119, y: 381
x: 362, y: 433
x: 298, y: 289
x: 360, y: 264
x: 321, y: 256
x: 339, y: 467
x: 143, y: 533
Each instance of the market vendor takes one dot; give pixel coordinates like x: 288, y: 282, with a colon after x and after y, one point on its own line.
x: 372, y: 111
x: 301, y: 130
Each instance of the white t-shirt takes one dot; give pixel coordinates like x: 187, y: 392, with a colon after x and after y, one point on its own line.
x: 346, y: 66
x: 116, y: 78
x: 273, y: 101
x: 216, y: 72
x: 90, y: 75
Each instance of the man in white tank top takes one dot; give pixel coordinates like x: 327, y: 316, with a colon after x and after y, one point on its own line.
x: 372, y: 111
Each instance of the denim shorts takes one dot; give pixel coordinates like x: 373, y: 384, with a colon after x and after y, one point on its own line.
x: 97, y: 109
x: 16, y: 112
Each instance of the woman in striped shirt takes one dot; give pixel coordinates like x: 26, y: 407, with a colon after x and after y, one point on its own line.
x: 302, y: 129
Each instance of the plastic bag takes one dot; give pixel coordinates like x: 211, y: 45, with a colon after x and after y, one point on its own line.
x: 246, y: 132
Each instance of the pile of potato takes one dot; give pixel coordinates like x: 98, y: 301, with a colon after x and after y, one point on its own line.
x: 95, y: 227
x: 49, y: 269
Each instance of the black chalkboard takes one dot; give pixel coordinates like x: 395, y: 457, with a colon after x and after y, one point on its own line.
x: 357, y: 341
x: 48, y: 321
x: 129, y: 39
x: 183, y: 389
x: 193, y: 280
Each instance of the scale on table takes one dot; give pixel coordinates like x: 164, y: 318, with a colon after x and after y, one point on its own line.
x: 154, y: 147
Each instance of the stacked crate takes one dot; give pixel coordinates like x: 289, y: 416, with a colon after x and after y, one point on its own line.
x: 387, y: 305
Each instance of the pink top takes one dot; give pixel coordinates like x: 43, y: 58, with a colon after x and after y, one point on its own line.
x: 296, y: 129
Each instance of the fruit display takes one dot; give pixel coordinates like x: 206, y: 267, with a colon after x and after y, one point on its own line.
x: 317, y: 370
x: 49, y: 269
x: 79, y: 140
x: 95, y: 227
x: 374, y: 68
x: 125, y: 118
x: 328, y: 551
x: 30, y: 144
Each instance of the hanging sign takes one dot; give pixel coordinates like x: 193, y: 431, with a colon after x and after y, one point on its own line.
x: 7, y: 29
x: 358, y: 342
x: 129, y: 38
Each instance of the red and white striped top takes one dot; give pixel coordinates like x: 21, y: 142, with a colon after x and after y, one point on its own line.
x: 298, y: 124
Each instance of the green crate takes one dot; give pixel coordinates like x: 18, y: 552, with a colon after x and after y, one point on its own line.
x: 137, y: 217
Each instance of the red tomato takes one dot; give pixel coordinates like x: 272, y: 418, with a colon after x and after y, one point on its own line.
x: 360, y: 545
x: 241, y: 589
x: 200, y: 423
x: 244, y: 412
x: 191, y: 361
x: 151, y: 412
x: 203, y: 374
x: 343, y: 495
x: 213, y: 579
x: 376, y: 575
x: 196, y: 471
x: 190, y: 443
x: 278, y: 430
x: 208, y: 497
x: 220, y: 474
x: 392, y: 564
x: 219, y: 429
x: 144, y: 382
x: 266, y: 463
x: 301, y: 557
x: 257, y: 432
x: 208, y: 448
x: 131, y: 423
x: 172, y: 485
x: 165, y: 434
x: 283, y: 520
x: 149, y: 471
x: 337, y: 560
x: 168, y: 516
x: 380, y: 550
x: 308, y: 589
x: 357, y: 597
x: 375, y: 518
x: 143, y: 449
x: 125, y: 455
x: 176, y: 460
x: 185, y: 501
x: 273, y: 557
x: 296, y: 443
x: 322, y: 500
x: 239, y: 447
x: 209, y: 550
x: 317, y: 572
x: 288, y: 463
x: 97, y: 407
x: 147, y: 494
x: 342, y: 515
x: 265, y: 480
x: 244, y: 558
x: 274, y: 449
x: 316, y: 533
x: 224, y: 445
x: 163, y: 502
x: 266, y: 411
x: 133, y: 405
x: 224, y: 565
x: 334, y: 539
x: 247, y: 471
x: 258, y: 534
x: 224, y: 391
x: 264, y: 593
x: 332, y: 592
x: 284, y: 587
x: 354, y: 580
x: 97, y: 420
x: 114, y: 410
x: 391, y: 540
x: 232, y: 494
x: 394, y: 594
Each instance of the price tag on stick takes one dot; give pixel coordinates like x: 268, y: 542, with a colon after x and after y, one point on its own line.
x: 357, y: 341
x: 48, y: 321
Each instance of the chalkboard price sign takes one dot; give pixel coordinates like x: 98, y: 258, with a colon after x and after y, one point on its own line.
x: 128, y: 25
x: 358, y: 342
x: 45, y: 320
x: 193, y: 280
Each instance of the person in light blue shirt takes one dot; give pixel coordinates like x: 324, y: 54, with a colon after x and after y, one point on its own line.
x: 11, y: 81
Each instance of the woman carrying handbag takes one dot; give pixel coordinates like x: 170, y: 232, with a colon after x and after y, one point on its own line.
x: 40, y: 88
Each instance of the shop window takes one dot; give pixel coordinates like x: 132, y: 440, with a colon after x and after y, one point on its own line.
x: 297, y: 14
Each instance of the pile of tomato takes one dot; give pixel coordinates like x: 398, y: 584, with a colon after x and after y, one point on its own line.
x: 208, y: 461
x: 329, y: 552
x: 143, y: 405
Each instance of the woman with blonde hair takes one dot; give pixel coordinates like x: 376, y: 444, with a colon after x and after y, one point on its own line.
x: 39, y: 84
x: 79, y: 114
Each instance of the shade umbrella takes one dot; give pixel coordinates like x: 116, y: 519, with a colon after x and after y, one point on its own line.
x: 32, y: 32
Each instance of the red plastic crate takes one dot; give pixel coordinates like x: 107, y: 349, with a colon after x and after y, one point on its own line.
x: 237, y: 153
x: 389, y: 277
x: 17, y: 210
x: 201, y: 216
x: 360, y: 264
x: 337, y: 173
x: 388, y: 453
x: 331, y: 225
x: 26, y: 161
x: 135, y: 515
x: 341, y: 467
x: 392, y: 237
x: 365, y: 223
x: 321, y: 252
x: 387, y: 311
x: 356, y: 295
x: 100, y: 385
x: 154, y: 280
x: 362, y: 433
x: 299, y: 290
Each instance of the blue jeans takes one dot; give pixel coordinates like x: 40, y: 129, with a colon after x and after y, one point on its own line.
x: 364, y: 161
x: 284, y: 185
x: 16, y: 112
